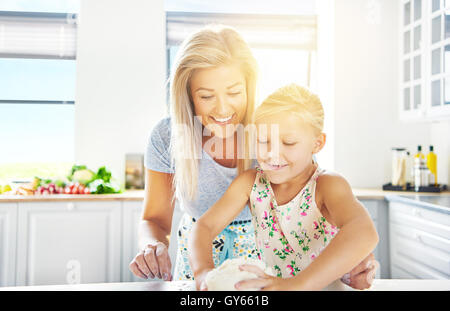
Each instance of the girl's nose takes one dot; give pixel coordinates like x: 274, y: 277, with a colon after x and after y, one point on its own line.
x: 273, y: 155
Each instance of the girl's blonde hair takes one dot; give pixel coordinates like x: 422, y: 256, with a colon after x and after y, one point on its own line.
x: 296, y: 100
x: 211, y: 46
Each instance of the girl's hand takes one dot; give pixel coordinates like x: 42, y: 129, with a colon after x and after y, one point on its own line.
x: 200, y: 280
x: 263, y: 281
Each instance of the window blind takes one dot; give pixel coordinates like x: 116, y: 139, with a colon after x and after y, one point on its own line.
x: 259, y: 30
x: 38, y: 35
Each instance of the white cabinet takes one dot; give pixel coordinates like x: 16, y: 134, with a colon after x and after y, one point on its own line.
x: 378, y: 212
x: 419, y: 242
x: 132, y: 211
x: 424, y: 60
x: 68, y: 242
x: 8, y: 232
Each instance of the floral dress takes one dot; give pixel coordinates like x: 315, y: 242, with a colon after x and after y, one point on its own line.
x: 289, y: 236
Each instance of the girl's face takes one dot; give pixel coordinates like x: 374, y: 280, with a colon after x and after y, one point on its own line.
x: 220, y: 98
x: 286, y: 148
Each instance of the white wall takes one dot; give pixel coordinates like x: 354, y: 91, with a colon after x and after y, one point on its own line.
x: 121, y: 68
x: 366, y: 93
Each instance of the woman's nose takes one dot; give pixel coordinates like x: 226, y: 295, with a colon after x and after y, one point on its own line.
x: 222, y: 107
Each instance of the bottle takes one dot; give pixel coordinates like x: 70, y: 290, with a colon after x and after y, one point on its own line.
x: 421, y: 174
x: 431, y: 164
x: 409, y: 172
x: 419, y: 153
x: 419, y: 163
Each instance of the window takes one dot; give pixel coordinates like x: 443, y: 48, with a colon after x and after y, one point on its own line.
x: 37, y: 87
x: 282, y: 37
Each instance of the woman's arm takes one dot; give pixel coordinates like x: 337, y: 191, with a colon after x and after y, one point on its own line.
x: 213, y: 221
x: 155, y: 227
x: 357, y: 235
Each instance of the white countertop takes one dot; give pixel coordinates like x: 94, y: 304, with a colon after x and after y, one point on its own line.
x: 378, y: 285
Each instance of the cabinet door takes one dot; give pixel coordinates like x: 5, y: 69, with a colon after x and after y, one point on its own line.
x: 132, y: 211
x: 8, y: 231
x: 412, y: 61
x: 68, y: 242
x: 419, y: 242
x: 438, y: 101
x: 377, y: 210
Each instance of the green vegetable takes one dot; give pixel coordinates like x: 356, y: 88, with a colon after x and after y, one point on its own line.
x: 99, y: 186
x: 103, y: 174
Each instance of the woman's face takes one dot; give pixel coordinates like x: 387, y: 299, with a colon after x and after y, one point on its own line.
x: 220, y: 98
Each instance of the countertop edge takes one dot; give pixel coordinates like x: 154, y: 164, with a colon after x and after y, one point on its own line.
x: 422, y: 204
x: 378, y: 285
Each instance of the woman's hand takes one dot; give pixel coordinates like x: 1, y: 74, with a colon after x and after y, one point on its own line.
x: 361, y: 276
x: 262, y: 282
x: 153, y: 261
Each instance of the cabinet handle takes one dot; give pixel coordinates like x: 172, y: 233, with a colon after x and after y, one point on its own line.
x: 418, y: 238
x: 70, y: 206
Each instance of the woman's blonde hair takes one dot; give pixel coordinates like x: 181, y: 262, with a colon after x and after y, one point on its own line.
x: 296, y: 100
x: 212, y: 46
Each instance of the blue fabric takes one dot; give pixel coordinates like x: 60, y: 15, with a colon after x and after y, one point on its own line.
x: 214, y: 179
x: 231, y: 236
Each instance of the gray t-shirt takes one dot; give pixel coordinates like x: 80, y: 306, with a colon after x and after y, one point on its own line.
x: 213, y: 180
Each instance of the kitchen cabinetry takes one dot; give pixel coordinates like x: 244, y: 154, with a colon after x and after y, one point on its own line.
x: 93, y: 241
x: 132, y: 211
x: 424, y: 59
x: 379, y: 214
x: 8, y: 231
x: 419, y: 242
x: 68, y: 242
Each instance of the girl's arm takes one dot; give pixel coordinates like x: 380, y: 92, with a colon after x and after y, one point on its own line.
x: 357, y: 235
x: 214, y: 220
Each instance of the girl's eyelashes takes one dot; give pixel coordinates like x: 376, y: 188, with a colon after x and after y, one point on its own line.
x: 234, y: 93
x: 284, y: 143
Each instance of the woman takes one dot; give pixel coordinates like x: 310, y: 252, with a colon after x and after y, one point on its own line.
x: 195, y: 154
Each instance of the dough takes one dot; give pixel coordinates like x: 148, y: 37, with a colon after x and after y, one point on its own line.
x: 228, y: 274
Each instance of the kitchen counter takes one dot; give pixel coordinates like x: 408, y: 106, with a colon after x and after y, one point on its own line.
x: 437, y: 203
x: 129, y: 195
x: 138, y: 195
x: 378, y: 285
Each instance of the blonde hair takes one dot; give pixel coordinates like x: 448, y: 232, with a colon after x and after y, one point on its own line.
x: 297, y: 100
x: 211, y: 46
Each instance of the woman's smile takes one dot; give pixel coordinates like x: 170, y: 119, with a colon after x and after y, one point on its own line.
x: 223, y: 120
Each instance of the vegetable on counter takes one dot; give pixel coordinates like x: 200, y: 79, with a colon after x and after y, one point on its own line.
x: 81, y: 180
x: 96, y: 183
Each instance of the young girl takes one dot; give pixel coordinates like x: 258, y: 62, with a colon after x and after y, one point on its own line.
x: 309, y: 227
